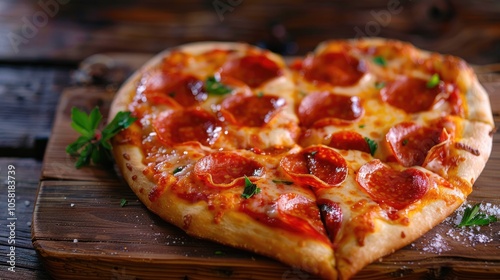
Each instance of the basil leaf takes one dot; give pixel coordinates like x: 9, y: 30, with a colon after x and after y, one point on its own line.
x: 95, y: 118
x: 85, y: 156
x: 379, y: 60
x: 81, y: 122
x: 121, y: 121
x: 472, y: 217
x: 177, y: 170
x: 95, y: 147
x: 372, y: 145
x: 433, y: 81
x: 214, y: 86
x: 74, y: 147
x: 250, y: 189
x: 123, y: 202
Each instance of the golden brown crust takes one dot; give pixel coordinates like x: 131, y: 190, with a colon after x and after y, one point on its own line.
x: 479, y: 103
x: 466, y: 156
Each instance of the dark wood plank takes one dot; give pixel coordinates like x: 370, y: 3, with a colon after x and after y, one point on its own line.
x: 78, y: 29
x: 29, y: 96
x: 27, y: 265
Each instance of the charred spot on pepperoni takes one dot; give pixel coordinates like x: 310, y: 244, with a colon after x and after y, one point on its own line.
x: 410, y: 142
x: 331, y: 215
x: 411, y: 94
x: 387, y: 186
x: 349, y: 140
x: 254, y: 69
x: 226, y: 169
x: 177, y: 127
x: 316, y: 166
x: 321, y: 108
x: 161, y: 87
x: 337, y: 69
x: 251, y: 111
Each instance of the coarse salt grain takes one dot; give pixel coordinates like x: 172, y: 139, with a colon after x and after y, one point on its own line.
x: 437, y: 245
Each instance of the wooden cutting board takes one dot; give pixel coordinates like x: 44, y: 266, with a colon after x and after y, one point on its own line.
x: 80, y: 230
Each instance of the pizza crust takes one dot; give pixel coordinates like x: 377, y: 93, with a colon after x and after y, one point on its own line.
x: 479, y: 103
x: 470, y: 150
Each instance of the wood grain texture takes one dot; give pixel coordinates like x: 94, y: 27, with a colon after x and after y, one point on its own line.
x: 27, y: 176
x: 80, y: 28
x: 29, y: 95
x: 81, y: 231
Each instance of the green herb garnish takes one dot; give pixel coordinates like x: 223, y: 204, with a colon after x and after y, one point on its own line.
x: 361, y: 126
x: 219, y: 253
x: 380, y: 61
x: 93, y: 145
x: 177, y: 170
x: 123, y: 202
x: 433, y: 81
x: 284, y: 182
x: 214, y: 86
x: 372, y: 145
x: 260, y: 94
x: 379, y: 85
x: 250, y: 189
x: 472, y: 217
x: 404, y: 142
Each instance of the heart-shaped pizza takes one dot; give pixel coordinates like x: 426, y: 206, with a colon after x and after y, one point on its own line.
x: 325, y: 163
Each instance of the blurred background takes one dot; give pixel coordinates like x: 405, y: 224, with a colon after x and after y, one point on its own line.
x: 43, y: 42
x: 67, y: 31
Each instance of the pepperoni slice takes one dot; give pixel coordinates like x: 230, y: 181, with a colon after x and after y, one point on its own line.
x: 292, y: 212
x: 324, y: 108
x: 162, y: 86
x: 175, y: 60
x: 316, y: 166
x: 411, y: 142
x: 215, y: 58
x: 411, y: 94
x: 226, y: 169
x: 176, y: 127
x: 331, y: 215
x: 253, y: 70
x: 397, y: 189
x: 349, y: 140
x: 252, y: 111
x: 337, y: 69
